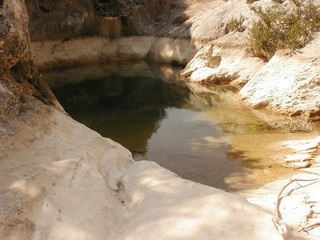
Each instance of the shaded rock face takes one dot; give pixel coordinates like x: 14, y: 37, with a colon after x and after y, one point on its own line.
x: 14, y: 36
x: 18, y: 77
x: 143, y: 19
x: 50, y: 19
x: 137, y: 16
x: 114, y: 8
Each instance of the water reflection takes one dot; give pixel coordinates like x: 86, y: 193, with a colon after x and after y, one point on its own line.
x: 192, y: 130
x: 127, y: 109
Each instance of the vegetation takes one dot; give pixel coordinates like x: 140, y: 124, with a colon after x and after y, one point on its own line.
x: 283, y: 28
x: 235, y: 24
x: 251, y: 1
x: 300, y: 123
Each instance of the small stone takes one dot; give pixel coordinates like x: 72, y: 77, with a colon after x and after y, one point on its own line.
x: 261, y: 105
x: 297, y: 157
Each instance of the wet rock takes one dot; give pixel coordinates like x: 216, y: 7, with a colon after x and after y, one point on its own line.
x: 111, y: 27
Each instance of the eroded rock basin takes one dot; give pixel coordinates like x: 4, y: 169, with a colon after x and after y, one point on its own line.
x: 204, y: 134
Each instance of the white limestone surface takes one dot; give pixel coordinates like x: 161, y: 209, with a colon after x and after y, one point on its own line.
x: 61, y: 180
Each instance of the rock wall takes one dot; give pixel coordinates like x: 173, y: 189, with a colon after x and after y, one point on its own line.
x: 143, y: 19
x: 223, y: 57
x: 50, y: 54
x: 17, y: 73
x: 74, y: 32
x: 65, y: 19
x: 51, y: 20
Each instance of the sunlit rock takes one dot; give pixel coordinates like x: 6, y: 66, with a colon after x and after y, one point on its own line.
x: 289, y: 82
x: 302, y: 145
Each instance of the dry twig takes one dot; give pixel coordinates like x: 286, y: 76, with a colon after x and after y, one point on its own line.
x: 310, y: 227
x: 277, y: 206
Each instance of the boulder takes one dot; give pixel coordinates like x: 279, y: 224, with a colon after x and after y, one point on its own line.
x: 289, y: 82
x: 221, y: 65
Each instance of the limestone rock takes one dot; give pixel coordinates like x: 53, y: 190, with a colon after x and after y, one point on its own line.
x: 48, y: 54
x: 211, y: 22
x: 221, y: 65
x: 223, y: 57
x: 302, y: 145
x: 17, y: 73
x: 297, y: 165
x: 304, y: 153
x: 174, y: 51
x: 289, y: 82
x: 297, y: 157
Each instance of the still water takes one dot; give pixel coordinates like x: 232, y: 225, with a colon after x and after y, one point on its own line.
x: 201, y: 133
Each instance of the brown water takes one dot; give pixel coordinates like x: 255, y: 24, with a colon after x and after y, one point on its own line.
x: 201, y: 133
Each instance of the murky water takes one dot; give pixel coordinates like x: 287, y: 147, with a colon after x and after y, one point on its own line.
x: 201, y: 133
